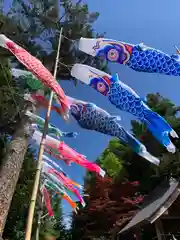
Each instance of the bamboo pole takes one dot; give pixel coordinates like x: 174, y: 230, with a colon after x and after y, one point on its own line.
x: 40, y: 154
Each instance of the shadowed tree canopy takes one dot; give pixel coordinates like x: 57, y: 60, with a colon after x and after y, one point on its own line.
x: 10, y: 102
x: 35, y: 25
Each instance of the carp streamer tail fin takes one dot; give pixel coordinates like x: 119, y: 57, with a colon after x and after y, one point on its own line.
x: 160, y: 129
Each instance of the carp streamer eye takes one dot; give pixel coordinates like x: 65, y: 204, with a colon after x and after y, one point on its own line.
x: 113, y: 55
x: 75, y: 109
x: 101, y: 87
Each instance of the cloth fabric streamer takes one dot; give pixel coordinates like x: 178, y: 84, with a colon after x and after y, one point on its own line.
x: 47, y: 201
x: 27, y: 79
x: 138, y: 57
x: 91, y: 117
x: 63, y: 181
x: 64, y: 152
x: 61, y: 193
x: 53, y: 164
x: 56, y: 166
x: 40, y: 101
x: 52, y: 130
x: 126, y: 99
x: 37, y: 69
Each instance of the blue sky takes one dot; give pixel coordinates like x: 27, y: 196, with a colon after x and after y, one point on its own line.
x: 130, y: 21
x: 156, y: 23
x: 153, y: 22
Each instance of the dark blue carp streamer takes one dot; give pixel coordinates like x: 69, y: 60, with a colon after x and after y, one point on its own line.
x: 91, y: 117
x: 138, y: 57
x: 125, y: 99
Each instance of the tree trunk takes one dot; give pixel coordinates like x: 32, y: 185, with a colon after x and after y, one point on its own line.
x: 10, y: 168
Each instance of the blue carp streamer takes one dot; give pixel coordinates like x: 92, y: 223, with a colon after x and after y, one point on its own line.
x: 138, y: 57
x: 89, y: 116
x: 126, y: 99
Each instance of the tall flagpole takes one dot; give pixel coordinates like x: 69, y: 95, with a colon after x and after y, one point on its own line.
x: 40, y: 154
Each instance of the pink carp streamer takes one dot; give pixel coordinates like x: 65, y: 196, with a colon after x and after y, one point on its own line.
x: 60, y: 150
x: 69, y: 155
x: 59, y: 178
x: 55, y: 165
x: 37, y: 69
x: 47, y: 201
x: 66, y: 183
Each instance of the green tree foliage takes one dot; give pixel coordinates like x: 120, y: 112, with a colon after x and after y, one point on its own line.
x: 11, y: 103
x: 110, y: 162
x: 54, y: 227
x: 35, y: 25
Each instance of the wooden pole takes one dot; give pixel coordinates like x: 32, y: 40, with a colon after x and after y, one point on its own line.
x: 159, y: 230
x: 40, y: 155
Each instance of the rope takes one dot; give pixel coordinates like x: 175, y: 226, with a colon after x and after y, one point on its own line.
x: 71, y: 40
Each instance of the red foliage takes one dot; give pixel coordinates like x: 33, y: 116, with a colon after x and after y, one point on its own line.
x: 110, y: 206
